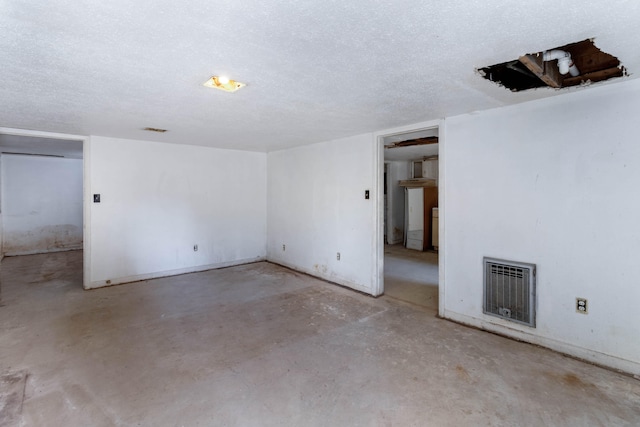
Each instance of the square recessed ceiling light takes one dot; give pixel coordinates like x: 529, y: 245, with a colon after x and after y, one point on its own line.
x: 223, y: 83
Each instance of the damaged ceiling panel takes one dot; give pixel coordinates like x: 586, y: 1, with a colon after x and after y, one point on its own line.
x: 411, y: 145
x: 412, y: 142
x: 574, y: 64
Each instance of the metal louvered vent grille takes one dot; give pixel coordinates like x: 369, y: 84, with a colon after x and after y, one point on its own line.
x: 510, y: 290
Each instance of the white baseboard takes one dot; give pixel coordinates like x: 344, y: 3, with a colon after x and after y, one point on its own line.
x: 326, y: 277
x: 167, y: 273
x: 43, y: 251
x: 592, y: 356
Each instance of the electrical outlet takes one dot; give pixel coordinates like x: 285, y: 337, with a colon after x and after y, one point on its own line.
x: 338, y: 256
x: 195, y: 248
x: 284, y: 248
x: 581, y: 306
x: 96, y: 198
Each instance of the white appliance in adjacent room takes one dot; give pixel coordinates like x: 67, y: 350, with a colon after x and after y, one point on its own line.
x: 434, y: 228
x: 414, y: 218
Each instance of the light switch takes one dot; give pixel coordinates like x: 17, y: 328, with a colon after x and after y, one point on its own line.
x: 96, y: 198
x: 366, y: 194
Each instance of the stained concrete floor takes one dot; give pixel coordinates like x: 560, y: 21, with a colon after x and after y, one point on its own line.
x: 411, y: 276
x: 260, y: 345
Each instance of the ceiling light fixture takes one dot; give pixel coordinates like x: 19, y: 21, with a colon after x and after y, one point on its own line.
x: 223, y: 83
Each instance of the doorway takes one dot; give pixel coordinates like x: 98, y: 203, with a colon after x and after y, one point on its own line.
x: 41, y: 193
x: 410, y: 219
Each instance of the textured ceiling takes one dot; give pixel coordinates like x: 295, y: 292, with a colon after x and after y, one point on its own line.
x: 18, y: 144
x: 315, y: 70
x: 412, y: 152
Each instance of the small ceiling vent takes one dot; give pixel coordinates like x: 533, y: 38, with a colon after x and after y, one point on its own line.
x: 509, y: 290
x: 155, y: 130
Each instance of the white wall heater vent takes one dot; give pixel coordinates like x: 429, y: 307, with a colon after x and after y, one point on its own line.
x: 510, y: 290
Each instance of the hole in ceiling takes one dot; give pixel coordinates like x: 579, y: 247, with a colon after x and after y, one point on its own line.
x: 573, y: 64
x: 412, y: 145
x: 415, y: 141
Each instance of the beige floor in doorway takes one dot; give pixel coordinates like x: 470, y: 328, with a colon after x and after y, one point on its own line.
x: 411, y: 276
x: 260, y: 345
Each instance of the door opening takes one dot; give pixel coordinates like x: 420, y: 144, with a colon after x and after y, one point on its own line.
x: 42, y: 203
x: 411, y: 217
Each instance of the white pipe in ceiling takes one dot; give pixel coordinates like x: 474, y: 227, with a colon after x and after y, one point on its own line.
x: 565, y: 64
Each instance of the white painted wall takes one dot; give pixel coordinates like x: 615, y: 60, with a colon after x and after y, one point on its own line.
x: 159, y: 200
x: 553, y: 182
x: 41, y: 204
x: 1, y: 239
x: 430, y: 169
x: 316, y: 207
x: 397, y: 170
x: 1, y: 234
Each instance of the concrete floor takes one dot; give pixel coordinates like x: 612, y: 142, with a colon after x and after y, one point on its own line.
x: 262, y: 345
x: 411, y: 276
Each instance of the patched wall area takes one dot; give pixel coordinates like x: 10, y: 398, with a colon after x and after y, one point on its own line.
x: 41, y: 204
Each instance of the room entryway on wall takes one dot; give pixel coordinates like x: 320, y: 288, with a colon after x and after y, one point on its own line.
x: 41, y: 194
x: 411, y: 217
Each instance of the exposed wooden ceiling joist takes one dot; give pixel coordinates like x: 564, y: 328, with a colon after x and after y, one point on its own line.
x: 411, y: 142
x: 595, y: 76
x: 550, y: 75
